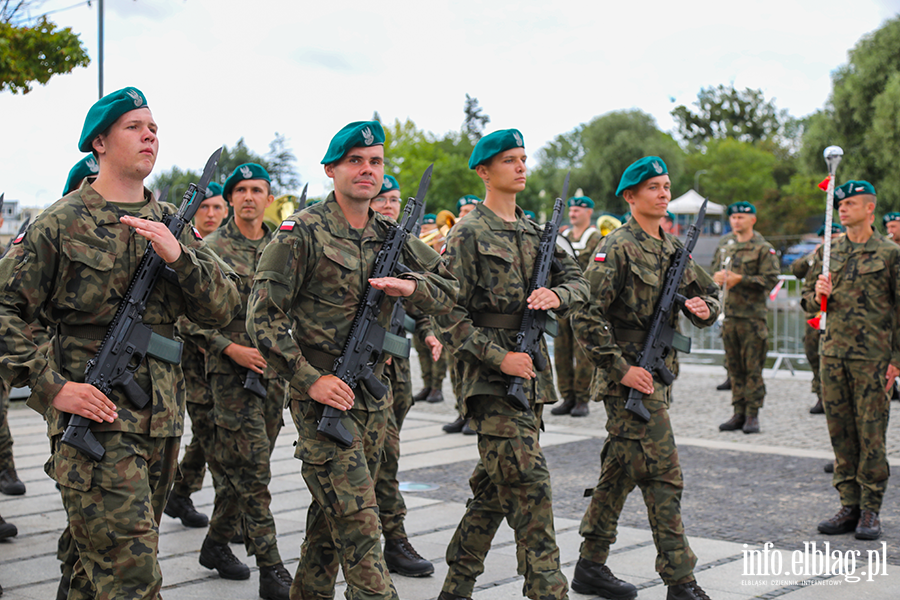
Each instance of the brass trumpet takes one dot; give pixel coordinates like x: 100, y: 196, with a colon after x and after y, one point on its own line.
x: 444, y: 221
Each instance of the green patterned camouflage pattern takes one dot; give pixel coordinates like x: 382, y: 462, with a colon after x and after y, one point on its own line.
x: 6, y: 440
x: 433, y: 371
x: 511, y: 481
x: 800, y: 269
x: 192, y: 467
x: 757, y: 263
x: 573, y: 367
x: 746, y: 343
x: 391, y: 507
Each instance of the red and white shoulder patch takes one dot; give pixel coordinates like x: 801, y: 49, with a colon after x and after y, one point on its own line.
x: 196, y: 233
x: 600, y: 257
x: 287, y: 226
x: 20, y: 238
x: 771, y: 250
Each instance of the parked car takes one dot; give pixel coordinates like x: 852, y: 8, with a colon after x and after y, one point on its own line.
x: 796, y: 251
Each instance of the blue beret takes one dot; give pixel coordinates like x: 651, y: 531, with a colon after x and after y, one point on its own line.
x: 740, y: 208
x: 852, y: 188
x: 495, y: 143
x: 213, y: 189
x: 244, y: 171
x: 640, y: 171
x: 891, y: 216
x: 467, y: 199
x: 354, y: 135
x: 838, y: 228
x: 429, y: 219
x: 106, y: 110
x: 86, y: 167
x: 582, y: 201
x: 389, y: 184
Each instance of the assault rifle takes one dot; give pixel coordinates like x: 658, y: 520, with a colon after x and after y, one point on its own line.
x: 365, y: 343
x: 662, y: 337
x: 253, y: 384
x: 128, y: 339
x: 534, y: 322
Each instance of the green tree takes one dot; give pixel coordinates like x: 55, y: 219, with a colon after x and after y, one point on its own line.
x: 30, y: 54
x: 725, y: 112
x: 475, y: 121
x: 735, y: 171
x: 282, y: 166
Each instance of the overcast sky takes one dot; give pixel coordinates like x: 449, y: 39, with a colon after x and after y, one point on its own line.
x: 214, y: 71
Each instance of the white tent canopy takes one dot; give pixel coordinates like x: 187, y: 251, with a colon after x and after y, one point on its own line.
x: 690, y: 202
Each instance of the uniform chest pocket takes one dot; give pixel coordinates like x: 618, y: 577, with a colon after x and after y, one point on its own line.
x: 746, y: 264
x: 85, y: 271
x: 337, y: 276
x: 872, y: 278
x: 648, y: 275
x: 496, y: 263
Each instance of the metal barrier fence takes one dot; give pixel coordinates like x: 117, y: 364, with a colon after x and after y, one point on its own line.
x: 786, y: 321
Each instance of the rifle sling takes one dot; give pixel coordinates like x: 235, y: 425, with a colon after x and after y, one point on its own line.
x: 513, y: 322
x: 162, y: 346
x: 237, y: 325
x: 396, y: 345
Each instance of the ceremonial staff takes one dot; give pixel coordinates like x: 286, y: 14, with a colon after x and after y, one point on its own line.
x: 833, y: 156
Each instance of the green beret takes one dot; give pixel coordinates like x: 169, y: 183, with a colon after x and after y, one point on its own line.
x: 213, y: 189
x: 530, y: 214
x: 244, y: 171
x: 838, y: 228
x: 429, y: 219
x: 582, y: 201
x: 852, y: 188
x: 495, y: 143
x: 313, y: 201
x: 669, y: 215
x: 467, y: 199
x: 389, y: 184
x: 106, y: 110
x: 86, y: 167
x: 640, y: 171
x: 626, y: 216
x: 740, y: 208
x: 891, y: 216
x: 354, y: 135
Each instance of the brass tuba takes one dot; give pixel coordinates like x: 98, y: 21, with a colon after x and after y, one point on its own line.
x: 606, y: 223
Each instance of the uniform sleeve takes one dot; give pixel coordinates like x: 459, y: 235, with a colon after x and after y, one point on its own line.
x: 702, y: 286
x: 768, y: 273
x: 436, y: 287
x: 605, y: 279
x: 718, y: 256
x: 808, y: 293
x: 569, y: 284
x: 895, y: 321
x: 211, y: 298
x: 800, y: 267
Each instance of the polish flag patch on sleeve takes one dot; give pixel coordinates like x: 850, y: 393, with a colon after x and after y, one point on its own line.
x: 600, y: 257
x: 287, y: 226
x: 771, y: 250
x: 197, y: 235
x: 19, y: 238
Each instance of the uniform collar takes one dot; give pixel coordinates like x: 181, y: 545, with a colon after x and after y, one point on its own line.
x: 494, y: 222
x: 648, y: 243
x: 339, y: 226
x: 230, y: 229
x: 869, y: 246
x: 105, y: 213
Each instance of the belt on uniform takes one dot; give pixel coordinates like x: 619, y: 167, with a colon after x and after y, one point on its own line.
x: 162, y: 346
x: 680, y: 342
x: 237, y: 325
x: 325, y: 360
x: 512, y: 322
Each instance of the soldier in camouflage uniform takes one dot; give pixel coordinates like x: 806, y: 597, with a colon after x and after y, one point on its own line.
x: 433, y: 369
x: 891, y: 222
x: 308, y: 286
x: 209, y: 216
x: 627, y: 275
x: 492, y: 253
x: 71, y: 269
x: 573, y: 368
x: 752, y: 272
x: 399, y: 553
x: 800, y: 270
x: 859, y: 347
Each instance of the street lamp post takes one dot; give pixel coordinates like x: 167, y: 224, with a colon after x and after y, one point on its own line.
x: 697, y: 180
x: 100, y: 40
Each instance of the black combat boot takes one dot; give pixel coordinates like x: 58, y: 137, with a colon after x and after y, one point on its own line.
x: 686, y: 591
x: 817, y: 409
x: 467, y: 430
x: 564, y: 408
x: 725, y: 385
x: 402, y: 558
x: 7, y: 530
x: 581, y: 410
x: 456, y: 426
x: 594, y: 578
x: 448, y: 596
x: 181, y: 507
x: 751, y: 425
x: 435, y: 396
x: 275, y: 582
x: 222, y: 559
x: 869, y: 526
x: 735, y: 422
x: 10, y: 484
x: 420, y: 397
x: 829, y: 468
x: 843, y: 522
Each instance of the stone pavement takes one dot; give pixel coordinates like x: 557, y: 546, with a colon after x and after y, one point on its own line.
x: 741, y: 492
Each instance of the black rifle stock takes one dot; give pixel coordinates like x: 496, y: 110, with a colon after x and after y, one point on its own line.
x: 534, y: 322
x: 128, y: 338
x: 365, y: 342
x: 253, y: 384
x: 662, y: 337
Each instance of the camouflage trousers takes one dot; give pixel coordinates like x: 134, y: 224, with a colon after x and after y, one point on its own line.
x: 456, y: 368
x: 573, y: 367
x: 811, y: 348
x: 246, y: 428
x: 192, y: 467
x: 6, y: 440
x: 114, y: 507
x: 391, y: 507
x: 511, y: 481
x: 746, y: 343
x: 342, y: 525
x: 857, y: 410
x: 649, y: 461
x: 433, y: 371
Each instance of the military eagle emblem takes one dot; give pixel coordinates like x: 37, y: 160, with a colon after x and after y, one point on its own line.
x: 136, y: 97
x: 368, y: 136
x: 657, y: 167
x: 518, y: 138
x: 91, y: 164
x: 246, y: 173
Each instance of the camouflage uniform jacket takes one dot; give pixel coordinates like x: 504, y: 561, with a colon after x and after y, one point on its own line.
x: 242, y: 256
x: 584, y: 246
x: 757, y: 263
x: 309, y: 283
x: 865, y: 297
x: 626, y: 278
x: 800, y: 268
x: 493, y: 261
x: 72, y: 269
